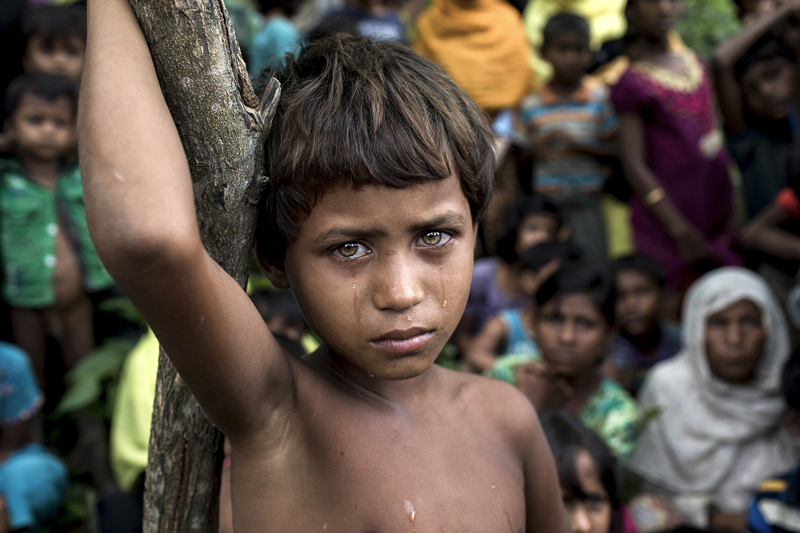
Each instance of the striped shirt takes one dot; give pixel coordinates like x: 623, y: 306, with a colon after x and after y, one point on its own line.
x: 586, y: 116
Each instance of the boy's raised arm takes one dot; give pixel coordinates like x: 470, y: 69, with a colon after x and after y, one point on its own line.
x: 140, y: 210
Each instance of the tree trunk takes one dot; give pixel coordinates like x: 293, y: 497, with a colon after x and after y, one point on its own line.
x: 222, y: 126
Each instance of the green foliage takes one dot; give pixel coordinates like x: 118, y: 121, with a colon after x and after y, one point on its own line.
x: 707, y: 23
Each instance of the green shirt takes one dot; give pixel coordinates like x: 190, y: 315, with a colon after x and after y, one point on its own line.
x: 29, y: 225
x: 610, y: 411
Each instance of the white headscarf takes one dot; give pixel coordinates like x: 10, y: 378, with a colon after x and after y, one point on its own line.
x: 713, y: 442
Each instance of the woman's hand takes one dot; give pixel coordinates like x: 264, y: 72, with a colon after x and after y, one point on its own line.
x: 542, y: 386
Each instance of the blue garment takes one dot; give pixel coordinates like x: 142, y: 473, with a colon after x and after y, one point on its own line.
x: 383, y: 27
x: 517, y: 339
x: 32, y: 481
x: 776, y: 508
x: 277, y: 38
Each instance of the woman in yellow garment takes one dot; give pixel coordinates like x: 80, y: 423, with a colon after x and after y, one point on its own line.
x: 482, y: 45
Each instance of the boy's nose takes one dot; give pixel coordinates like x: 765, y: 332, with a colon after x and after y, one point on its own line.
x: 399, y: 286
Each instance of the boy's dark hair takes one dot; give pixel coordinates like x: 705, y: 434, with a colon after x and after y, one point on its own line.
x: 355, y: 112
x: 642, y: 264
x: 565, y: 22
x: 537, y: 256
x: 790, y: 381
x: 594, y: 280
x: 567, y: 437
x: 767, y: 47
x: 55, y: 23
x: 47, y: 86
x: 522, y: 207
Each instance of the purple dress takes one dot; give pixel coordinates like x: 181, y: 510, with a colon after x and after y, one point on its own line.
x: 684, y: 150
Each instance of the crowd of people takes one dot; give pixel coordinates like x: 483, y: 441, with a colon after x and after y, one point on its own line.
x: 636, y: 278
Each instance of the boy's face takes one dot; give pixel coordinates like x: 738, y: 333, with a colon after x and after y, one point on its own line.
x: 656, y: 17
x: 42, y: 129
x: 768, y: 87
x: 382, y: 275
x: 735, y: 342
x: 572, y: 334
x: 62, y: 57
x: 570, y: 55
x: 535, y: 229
x: 637, y: 302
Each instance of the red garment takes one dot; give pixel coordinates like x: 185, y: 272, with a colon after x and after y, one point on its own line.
x: 788, y: 201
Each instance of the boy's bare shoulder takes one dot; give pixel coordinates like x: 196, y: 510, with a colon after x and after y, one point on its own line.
x: 500, y: 406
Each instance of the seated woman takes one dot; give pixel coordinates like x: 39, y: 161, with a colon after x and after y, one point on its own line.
x: 511, y: 330
x: 718, y: 432
x: 573, y: 324
x: 587, y: 473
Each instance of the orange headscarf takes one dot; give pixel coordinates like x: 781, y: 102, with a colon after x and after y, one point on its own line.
x: 482, y: 45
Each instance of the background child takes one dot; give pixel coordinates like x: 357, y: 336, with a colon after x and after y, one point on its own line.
x: 776, y: 507
x: 571, y: 124
x: 32, y: 481
x: 718, y: 432
x: 587, y: 472
x: 682, y: 209
x: 276, y: 38
x: 756, y: 82
x: 495, y: 280
x: 642, y: 340
x: 55, y: 40
x: 511, y: 331
x: 573, y: 326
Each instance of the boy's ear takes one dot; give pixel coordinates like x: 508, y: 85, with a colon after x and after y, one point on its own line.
x: 274, y: 270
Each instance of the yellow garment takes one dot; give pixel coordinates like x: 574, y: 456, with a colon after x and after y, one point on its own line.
x: 606, y: 19
x: 133, y: 412
x: 481, y: 45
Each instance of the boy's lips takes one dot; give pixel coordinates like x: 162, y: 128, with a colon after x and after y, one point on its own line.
x: 401, y: 341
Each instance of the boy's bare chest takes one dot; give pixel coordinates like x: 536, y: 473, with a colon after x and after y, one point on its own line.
x: 385, y: 478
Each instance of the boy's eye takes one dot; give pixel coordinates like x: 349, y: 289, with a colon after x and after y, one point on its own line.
x: 351, y: 250
x: 435, y: 238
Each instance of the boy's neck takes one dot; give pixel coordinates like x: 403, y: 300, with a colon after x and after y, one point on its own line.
x: 405, y: 392
x: 43, y: 173
x: 564, y: 88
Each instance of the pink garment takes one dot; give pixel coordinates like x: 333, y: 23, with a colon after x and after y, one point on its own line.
x: 627, y: 522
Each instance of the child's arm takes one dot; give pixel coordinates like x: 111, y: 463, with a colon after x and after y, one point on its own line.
x: 482, y: 351
x: 727, y: 54
x: 763, y: 234
x: 140, y: 210
x: 691, y: 243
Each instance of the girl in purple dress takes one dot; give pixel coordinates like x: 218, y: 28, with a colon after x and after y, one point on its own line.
x: 682, y: 209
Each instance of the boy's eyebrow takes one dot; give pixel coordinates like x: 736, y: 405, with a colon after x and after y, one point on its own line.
x: 451, y: 219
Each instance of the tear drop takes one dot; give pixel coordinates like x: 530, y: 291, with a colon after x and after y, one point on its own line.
x: 372, y: 375
x: 444, y: 303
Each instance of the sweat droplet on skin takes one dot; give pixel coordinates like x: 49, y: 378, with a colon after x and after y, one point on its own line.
x: 410, y: 512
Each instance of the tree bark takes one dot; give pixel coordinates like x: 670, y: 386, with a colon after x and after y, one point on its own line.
x: 222, y: 126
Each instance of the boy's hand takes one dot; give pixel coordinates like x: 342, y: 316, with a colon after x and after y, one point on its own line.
x: 551, y: 145
x: 542, y: 386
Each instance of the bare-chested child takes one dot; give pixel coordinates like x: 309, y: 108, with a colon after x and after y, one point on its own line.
x: 379, y: 170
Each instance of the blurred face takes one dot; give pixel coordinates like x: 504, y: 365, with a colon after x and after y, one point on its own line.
x: 592, y: 514
x: 570, y: 56
x: 535, y: 229
x: 637, y: 302
x: 753, y: 9
x: 768, y: 87
x: 655, y: 18
x: 382, y: 275
x: 572, y: 334
x: 735, y: 342
x: 63, y: 57
x: 41, y: 129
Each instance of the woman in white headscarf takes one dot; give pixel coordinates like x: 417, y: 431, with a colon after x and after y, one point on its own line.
x: 718, y: 432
